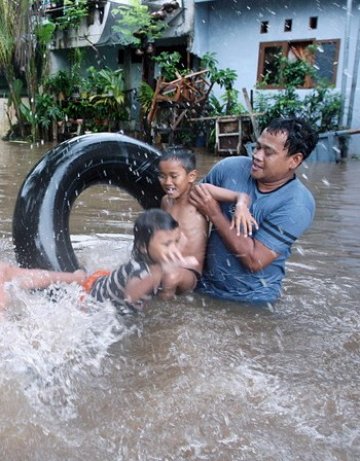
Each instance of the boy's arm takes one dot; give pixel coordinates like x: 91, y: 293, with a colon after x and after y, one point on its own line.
x: 251, y: 253
x: 242, y: 218
x: 220, y: 194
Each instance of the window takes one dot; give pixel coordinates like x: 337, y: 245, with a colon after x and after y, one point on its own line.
x: 313, y: 22
x: 326, y: 60
x: 288, y: 25
x: 268, y: 61
x: 322, y: 55
x: 264, y: 28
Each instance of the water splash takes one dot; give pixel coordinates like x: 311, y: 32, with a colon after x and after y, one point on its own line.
x: 50, y: 345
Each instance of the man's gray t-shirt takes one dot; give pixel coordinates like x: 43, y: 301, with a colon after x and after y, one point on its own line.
x: 282, y: 215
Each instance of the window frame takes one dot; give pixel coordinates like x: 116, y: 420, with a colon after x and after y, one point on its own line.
x: 285, y: 45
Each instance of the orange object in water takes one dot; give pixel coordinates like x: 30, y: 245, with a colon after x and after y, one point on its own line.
x: 89, y: 282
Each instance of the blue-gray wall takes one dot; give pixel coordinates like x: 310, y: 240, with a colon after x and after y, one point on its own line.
x: 232, y: 30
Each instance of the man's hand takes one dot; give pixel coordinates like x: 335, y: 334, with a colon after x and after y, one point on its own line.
x: 203, y: 201
x: 251, y: 253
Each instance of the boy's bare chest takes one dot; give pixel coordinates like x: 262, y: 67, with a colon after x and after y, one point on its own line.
x: 183, y: 213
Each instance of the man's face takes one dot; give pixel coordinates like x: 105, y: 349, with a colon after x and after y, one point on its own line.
x: 271, y: 163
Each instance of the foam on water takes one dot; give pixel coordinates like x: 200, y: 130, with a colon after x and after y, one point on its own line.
x: 49, y: 342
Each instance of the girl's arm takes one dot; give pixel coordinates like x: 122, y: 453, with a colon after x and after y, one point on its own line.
x: 137, y: 288
x: 242, y: 218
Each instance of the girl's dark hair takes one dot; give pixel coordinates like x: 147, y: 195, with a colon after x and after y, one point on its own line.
x: 146, y: 225
x: 186, y: 157
x: 301, y: 136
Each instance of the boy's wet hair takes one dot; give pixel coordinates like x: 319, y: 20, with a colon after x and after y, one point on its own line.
x: 301, y: 136
x: 146, y: 224
x: 186, y: 157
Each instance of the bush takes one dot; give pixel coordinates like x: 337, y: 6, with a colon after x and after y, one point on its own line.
x: 321, y: 107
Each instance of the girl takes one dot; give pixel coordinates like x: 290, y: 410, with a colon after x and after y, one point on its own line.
x: 155, y: 252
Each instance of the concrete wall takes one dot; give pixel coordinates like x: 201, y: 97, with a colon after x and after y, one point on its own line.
x: 232, y: 30
x: 4, y: 124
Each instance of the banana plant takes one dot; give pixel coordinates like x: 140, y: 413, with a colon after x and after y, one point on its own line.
x: 110, y: 98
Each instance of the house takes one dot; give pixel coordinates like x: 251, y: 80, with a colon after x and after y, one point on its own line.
x: 243, y: 35
x: 247, y: 35
x: 102, y: 45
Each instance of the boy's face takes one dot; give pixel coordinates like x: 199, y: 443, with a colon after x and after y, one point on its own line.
x: 174, y: 179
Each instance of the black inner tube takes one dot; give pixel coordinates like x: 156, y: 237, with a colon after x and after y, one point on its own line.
x: 42, y: 211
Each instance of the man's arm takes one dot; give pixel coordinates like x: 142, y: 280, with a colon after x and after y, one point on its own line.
x: 251, y: 253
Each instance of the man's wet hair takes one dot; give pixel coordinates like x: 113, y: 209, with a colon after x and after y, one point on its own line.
x: 186, y: 157
x: 301, y: 136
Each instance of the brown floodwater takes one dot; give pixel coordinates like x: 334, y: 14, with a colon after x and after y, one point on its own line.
x: 196, y: 378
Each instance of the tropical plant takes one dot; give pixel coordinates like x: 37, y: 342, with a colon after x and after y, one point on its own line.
x: 223, y: 77
x: 135, y: 23
x: 321, y: 106
x: 23, y: 44
x: 170, y: 65
x: 73, y: 13
x: 291, y: 73
x: 285, y: 103
x: 46, y: 112
x: 227, y: 104
x: 110, y: 95
x: 64, y: 83
x: 8, y: 25
x: 145, y: 97
x: 15, y: 102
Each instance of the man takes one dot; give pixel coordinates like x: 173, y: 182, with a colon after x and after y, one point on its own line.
x: 251, y: 269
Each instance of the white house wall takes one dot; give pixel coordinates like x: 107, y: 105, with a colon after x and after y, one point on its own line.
x: 106, y: 43
x: 180, y: 23
x: 93, y: 34
x: 231, y: 29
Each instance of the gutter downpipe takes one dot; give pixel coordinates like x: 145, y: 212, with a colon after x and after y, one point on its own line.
x: 354, y: 79
x: 345, y: 70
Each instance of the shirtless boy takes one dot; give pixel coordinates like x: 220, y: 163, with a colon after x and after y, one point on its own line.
x: 177, y: 175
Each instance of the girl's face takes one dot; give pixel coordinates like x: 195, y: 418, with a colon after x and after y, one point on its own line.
x: 163, y: 243
x: 174, y: 179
